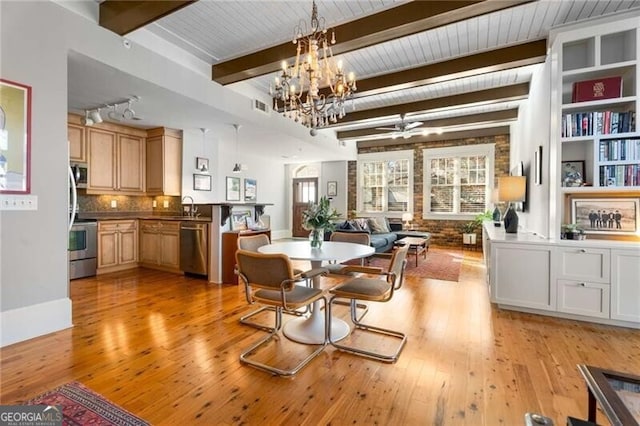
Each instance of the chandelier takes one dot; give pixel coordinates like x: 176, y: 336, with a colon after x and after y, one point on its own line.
x: 297, y: 87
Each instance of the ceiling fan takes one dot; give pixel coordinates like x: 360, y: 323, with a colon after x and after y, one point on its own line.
x: 402, y: 128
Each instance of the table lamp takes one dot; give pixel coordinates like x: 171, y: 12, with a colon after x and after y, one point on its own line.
x: 406, y: 218
x: 511, y: 189
x: 496, y: 216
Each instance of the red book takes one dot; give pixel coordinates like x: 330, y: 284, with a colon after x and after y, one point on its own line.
x: 593, y: 90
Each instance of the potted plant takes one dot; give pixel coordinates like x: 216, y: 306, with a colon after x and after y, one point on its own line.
x: 571, y: 231
x: 470, y: 228
x: 319, y: 218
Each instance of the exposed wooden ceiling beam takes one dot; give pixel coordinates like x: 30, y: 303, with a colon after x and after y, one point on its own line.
x: 481, y: 118
x: 464, y: 134
x: 400, y: 21
x: 498, y: 94
x: 123, y: 17
x: 506, y: 58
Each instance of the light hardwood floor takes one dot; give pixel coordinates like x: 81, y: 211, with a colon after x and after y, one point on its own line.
x: 166, y: 348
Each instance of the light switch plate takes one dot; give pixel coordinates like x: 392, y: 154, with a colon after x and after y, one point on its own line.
x: 165, y: 203
x: 114, y: 204
x: 18, y: 202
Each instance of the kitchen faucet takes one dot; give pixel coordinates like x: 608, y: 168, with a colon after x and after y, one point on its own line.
x: 192, y: 210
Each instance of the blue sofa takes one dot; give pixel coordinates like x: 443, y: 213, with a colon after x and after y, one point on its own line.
x: 382, y: 242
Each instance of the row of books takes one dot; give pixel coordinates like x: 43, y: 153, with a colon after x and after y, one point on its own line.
x: 597, y: 123
x: 619, y: 150
x: 620, y: 175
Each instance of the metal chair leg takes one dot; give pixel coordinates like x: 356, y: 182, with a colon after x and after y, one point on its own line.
x: 393, y: 357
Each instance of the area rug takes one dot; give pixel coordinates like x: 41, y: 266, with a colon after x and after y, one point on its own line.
x: 440, y: 264
x: 82, y: 406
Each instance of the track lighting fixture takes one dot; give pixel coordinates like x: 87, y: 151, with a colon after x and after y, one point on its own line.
x: 94, y: 116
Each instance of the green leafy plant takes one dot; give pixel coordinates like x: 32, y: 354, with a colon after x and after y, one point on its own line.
x: 320, y: 216
x: 472, y: 226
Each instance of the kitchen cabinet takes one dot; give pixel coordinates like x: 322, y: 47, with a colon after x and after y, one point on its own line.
x: 115, y: 161
x: 160, y: 244
x: 117, y: 245
x: 625, y: 285
x: 77, y: 143
x: 164, y: 162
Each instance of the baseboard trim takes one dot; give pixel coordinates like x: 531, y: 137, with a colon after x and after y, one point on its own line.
x: 25, y: 323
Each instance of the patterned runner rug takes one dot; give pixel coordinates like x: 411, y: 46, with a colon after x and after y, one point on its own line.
x: 82, y: 406
x: 441, y: 264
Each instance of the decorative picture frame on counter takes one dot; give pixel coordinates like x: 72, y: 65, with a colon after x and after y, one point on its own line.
x: 606, y: 215
x: 15, y: 138
x: 250, y: 189
x: 201, y: 182
x: 233, y: 188
x: 239, y: 220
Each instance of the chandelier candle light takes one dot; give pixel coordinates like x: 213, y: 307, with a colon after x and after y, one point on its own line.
x: 298, y: 86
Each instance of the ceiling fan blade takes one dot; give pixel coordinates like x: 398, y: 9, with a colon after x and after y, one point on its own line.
x: 412, y: 125
x: 386, y: 128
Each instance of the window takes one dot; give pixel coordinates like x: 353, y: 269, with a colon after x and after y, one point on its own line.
x: 385, y: 182
x: 458, y: 181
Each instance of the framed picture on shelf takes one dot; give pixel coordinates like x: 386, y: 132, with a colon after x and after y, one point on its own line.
x: 239, y: 220
x: 15, y: 138
x: 332, y: 188
x: 201, y: 182
x: 572, y: 173
x: 606, y: 215
x: 250, y: 189
x: 233, y: 188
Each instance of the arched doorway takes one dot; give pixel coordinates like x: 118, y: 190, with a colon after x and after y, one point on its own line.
x: 305, y: 191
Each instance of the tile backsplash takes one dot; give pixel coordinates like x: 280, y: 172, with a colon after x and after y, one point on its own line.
x: 125, y: 203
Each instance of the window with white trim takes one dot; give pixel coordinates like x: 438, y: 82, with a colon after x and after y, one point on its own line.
x: 458, y: 180
x: 385, y: 182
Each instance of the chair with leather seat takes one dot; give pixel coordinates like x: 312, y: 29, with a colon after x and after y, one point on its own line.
x: 253, y: 243
x: 269, y: 280
x: 371, y: 289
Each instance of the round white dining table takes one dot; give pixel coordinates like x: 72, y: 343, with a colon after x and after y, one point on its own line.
x: 310, y: 330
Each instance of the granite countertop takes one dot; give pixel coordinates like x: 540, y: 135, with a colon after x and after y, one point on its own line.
x: 141, y: 215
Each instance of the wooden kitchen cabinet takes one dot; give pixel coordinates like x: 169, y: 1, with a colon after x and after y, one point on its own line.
x: 160, y: 244
x: 229, y: 248
x: 117, y: 245
x: 116, y: 160
x: 164, y: 161
x: 77, y: 143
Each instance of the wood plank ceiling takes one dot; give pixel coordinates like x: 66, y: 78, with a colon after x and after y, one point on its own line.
x: 454, y: 66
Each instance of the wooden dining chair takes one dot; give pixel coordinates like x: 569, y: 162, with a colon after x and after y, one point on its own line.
x: 371, y: 289
x: 269, y: 280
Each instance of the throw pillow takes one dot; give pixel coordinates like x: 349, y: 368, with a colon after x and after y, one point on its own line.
x: 355, y: 225
x: 363, y: 224
x: 375, y: 226
x: 345, y: 226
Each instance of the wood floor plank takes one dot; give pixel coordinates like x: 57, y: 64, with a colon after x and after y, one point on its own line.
x: 166, y: 347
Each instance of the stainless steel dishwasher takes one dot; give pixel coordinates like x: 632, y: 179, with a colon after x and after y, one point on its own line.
x: 194, y: 251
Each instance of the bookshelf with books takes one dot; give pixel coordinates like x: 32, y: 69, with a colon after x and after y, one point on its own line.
x: 594, y: 105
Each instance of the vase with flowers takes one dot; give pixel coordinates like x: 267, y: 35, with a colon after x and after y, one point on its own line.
x: 318, y: 218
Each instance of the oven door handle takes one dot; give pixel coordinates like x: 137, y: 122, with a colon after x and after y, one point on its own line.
x: 74, y: 197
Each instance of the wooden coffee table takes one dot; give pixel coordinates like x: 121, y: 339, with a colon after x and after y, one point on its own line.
x: 417, y: 246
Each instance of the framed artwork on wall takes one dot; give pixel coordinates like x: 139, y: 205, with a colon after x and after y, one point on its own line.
x: 15, y: 138
x: 537, y: 166
x: 201, y: 182
x: 332, y: 188
x: 606, y: 215
x: 233, y: 188
x: 202, y: 164
x: 250, y: 189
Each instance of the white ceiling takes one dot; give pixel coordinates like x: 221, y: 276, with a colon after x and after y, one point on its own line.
x: 219, y: 30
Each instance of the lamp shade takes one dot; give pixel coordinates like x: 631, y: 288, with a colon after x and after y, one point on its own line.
x: 407, y: 217
x: 512, y: 188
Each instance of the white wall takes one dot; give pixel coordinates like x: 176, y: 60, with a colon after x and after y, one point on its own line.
x: 335, y: 171
x: 533, y: 130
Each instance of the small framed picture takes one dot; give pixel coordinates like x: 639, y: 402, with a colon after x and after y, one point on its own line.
x: 250, y: 187
x: 332, y: 188
x: 233, y: 188
x: 572, y: 173
x: 538, y: 166
x: 202, y: 164
x: 239, y: 220
x: 201, y: 182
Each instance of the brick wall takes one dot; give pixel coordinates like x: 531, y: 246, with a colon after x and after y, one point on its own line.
x: 444, y: 232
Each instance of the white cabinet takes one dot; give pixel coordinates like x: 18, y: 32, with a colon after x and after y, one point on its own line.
x: 580, y: 263
x: 625, y: 285
x: 521, y: 276
x: 583, y: 298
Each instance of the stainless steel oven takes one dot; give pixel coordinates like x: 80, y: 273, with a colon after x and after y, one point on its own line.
x: 83, y: 248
